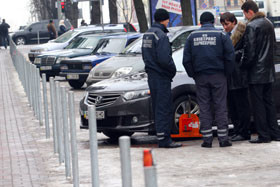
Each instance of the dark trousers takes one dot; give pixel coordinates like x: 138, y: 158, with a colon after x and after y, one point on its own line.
x: 5, y: 40
x: 162, y: 107
x: 239, y: 109
x: 264, y: 111
x: 211, y: 91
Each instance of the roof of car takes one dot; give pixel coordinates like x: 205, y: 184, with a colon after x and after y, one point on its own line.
x: 124, y: 35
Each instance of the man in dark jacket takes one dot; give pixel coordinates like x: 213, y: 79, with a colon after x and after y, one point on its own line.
x: 4, y: 33
x: 159, y: 65
x: 51, y: 30
x: 259, y: 40
x: 238, y: 100
x: 208, y: 54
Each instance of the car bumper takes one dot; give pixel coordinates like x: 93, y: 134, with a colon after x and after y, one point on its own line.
x: 129, y: 116
x: 52, y: 70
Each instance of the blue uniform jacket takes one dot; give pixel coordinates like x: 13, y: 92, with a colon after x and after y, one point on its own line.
x: 208, y: 51
x: 157, y: 52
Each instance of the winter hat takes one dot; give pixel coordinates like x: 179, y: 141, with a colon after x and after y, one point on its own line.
x: 207, y: 17
x: 161, y: 15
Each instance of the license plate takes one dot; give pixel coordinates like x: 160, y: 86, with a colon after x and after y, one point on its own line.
x: 45, y: 68
x: 99, y: 115
x: 73, y: 76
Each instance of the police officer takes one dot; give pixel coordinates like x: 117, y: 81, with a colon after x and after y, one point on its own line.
x: 159, y: 65
x: 208, y: 57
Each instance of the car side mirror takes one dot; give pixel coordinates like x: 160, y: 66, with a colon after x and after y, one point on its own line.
x: 30, y: 29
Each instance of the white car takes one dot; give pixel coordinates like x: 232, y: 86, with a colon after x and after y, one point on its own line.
x: 63, y: 40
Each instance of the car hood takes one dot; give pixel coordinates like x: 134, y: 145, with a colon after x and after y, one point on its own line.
x: 130, y: 82
x: 50, y: 46
x: 93, y: 58
x: 67, y: 52
x: 134, y: 82
x: 112, y: 64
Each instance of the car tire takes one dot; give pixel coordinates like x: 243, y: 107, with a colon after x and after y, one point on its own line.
x: 114, y: 135
x: 20, y: 40
x: 76, y: 84
x: 181, y: 107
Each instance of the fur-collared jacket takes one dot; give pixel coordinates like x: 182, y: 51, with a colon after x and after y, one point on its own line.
x: 259, y: 42
x: 238, y: 78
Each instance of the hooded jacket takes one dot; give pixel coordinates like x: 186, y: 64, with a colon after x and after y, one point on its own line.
x: 157, y: 52
x: 257, y: 58
x: 238, y: 79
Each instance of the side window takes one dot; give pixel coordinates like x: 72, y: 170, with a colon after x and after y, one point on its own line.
x: 180, y: 40
x: 36, y: 27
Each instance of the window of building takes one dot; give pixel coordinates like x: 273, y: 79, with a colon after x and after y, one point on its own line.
x: 200, y: 2
x: 228, y: 2
x: 236, y: 3
x: 211, y: 3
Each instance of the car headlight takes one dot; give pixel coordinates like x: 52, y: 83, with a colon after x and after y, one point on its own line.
x: 122, y: 71
x: 87, y: 67
x: 136, y: 94
x: 63, y: 67
x: 41, y: 50
x: 37, y: 60
x: 59, y: 59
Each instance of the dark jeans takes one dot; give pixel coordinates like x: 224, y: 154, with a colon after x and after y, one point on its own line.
x: 162, y: 107
x: 264, y: 111
x: 4, y: 40
x: 211, y: 91
x: 239, y: 109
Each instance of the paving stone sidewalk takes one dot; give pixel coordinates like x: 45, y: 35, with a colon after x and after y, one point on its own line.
x: 21, y: 164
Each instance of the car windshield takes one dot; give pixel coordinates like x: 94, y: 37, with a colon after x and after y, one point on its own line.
x: 134, y: 47
x: 178, y: 59
x: 110, y: 45
x: 65, y: 37
x: 83, y: 43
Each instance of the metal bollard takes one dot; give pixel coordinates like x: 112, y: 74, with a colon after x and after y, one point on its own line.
x: 124, y: 143
x: 74, y: 150
x: 53, y: 103
x: 93, y: 146
x: 46, y: 108
x: 30, y: 84
x: 40, y: 111
x: 38, y: 37
x: 66, y: 132
x: 58, y: 123
x: 149, y: 169
x: 35, y: 96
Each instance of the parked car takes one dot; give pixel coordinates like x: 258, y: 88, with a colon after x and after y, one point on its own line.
x: 128, y: 61
x: 77, y: 69
x: 31, y: 33
x: 49, y: 62
x: 123, y: 105
x: 66, y: 38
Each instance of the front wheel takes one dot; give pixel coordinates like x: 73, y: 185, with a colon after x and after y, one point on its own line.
x: 76, y: 84
x: 182, y: 105
x: 20, y: 40
x: 114, y: 135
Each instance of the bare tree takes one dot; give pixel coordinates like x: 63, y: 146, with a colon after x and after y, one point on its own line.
x: 72, y: 13
x: 95, y: 13
x: 141, y: 16
x: 126, y: 11
x: 186, y: 12
x: 113, y: 11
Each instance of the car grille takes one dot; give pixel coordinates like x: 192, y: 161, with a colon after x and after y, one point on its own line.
x: 102, y: 100
x: 48, y: 61
x: 75, y: 66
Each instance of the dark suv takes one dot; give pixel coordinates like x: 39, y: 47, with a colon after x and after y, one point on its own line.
x: 31, y: 33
